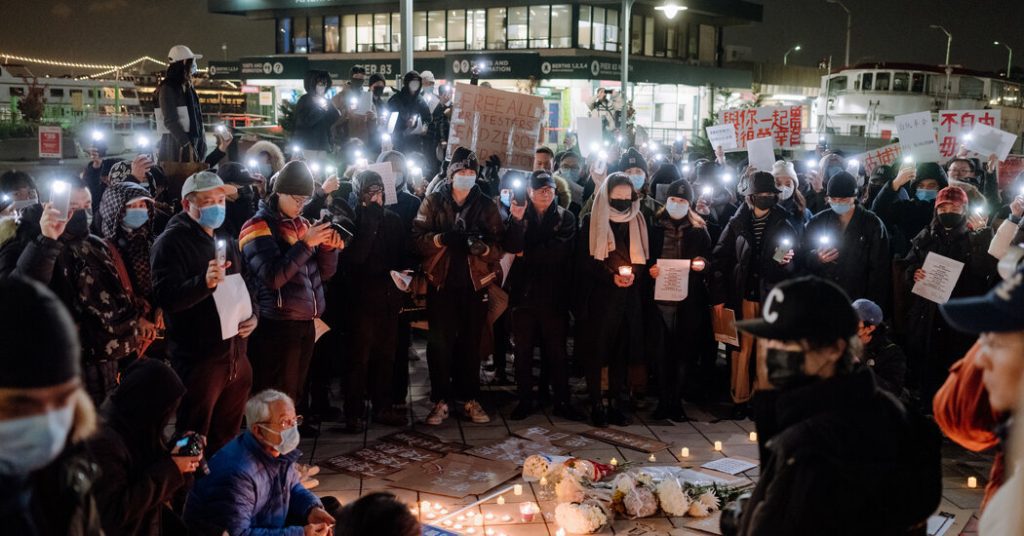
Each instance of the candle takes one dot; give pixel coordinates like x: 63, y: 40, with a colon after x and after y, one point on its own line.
x: 614, y: 462
x: 651, y: 458
x: 506, y: 518
x: 444, y: 511
x: 437, y: 506
x: 489, y: 532
x: 625, y: 271
x: 560, y: 532
x: 753, y: 436
x: 447, y: 522
x: 458, y: 526
x: 470, y: 530
x: 489, y: 516
x: 431, y: 515
x: 685, y: 453
x: 527, y: 511
x: 718, y: 445
x: 501, y: 499
x: 543, y: 481
x: 478, y: 520
x: 972, y: 482
x: 460, y: 518
x: 425, y: 505
x: 517, y: 490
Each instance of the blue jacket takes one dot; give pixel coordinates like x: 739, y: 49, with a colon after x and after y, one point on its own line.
x: 250, y: 493
x: 290, y: 275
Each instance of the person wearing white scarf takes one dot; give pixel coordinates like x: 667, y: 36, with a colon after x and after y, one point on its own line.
x: 602, y: 240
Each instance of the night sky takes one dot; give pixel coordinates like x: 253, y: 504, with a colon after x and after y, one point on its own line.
x: 116, y: 31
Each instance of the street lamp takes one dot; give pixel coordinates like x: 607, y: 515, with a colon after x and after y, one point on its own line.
x: 849, y: 24
x: 949, y: 39
x: 785, y: 58
x: 1009, y: 59
x: 671, y: 9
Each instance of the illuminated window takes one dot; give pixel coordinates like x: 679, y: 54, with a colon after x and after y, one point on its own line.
x: 419, y: 30
x: 396, y: 32
x: 540, y: 27
x: 649, y: 37
x: 518, y: 24
x: 496, y: 28
x: 584, y: 28
x: 382, y: 32
x: 476, y: 27
x: 456, y: 29
x: 436, y: 39
x: 561, y: 26
x: 636, y: 33
x: 611, y: 30
x: 332, y: 34
x: 364, y: 32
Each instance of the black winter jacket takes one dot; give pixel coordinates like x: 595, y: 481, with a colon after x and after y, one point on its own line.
x: 864, y: 264
x: 540, y: 276
x: 169, y: 98
x: 379, y: 245
x: 314, y: 118
x: 694, y: 242
x: 907, y: 216
x: 734, y: 260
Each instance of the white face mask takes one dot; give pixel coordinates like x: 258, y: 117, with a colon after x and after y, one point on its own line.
x: 30, y: 443
x: 677, y: 211
x: 289, y: 440
x: 413, y: 86
x: 787, y: 192
x: 464, y: 182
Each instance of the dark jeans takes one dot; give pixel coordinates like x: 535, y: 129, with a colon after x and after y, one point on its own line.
x: 400, y: 364
x: 501, y: 333
x: 370, y: 361
x: 457, y: 318
x: 545, y: 327
x: 280, y: 351
x: 217, y: 389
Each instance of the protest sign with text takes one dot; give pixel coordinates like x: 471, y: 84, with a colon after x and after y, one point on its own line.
x: 494, y: 122
x: 953, y: 124
x: 917, y: 136
x: 882, y: 156
x: 784, y: 124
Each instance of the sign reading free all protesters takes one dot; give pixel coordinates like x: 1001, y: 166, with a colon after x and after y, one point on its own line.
x: 494, y: 122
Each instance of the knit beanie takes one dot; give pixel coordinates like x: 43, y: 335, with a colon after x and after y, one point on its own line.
x: 38, y: 337
x: 294, y: 179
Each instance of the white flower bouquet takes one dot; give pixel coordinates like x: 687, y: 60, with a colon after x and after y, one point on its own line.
x: 581, y: 518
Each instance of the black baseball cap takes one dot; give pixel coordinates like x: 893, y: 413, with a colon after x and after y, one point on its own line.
x: 804, y: 308
x: 1001, y: 310
x: 541, y: 179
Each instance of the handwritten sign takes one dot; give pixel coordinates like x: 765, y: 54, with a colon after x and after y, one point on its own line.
x: 730, y: 466
x: 626, y: 439
x: 724, y: 326
x: 423, y: 441
x: 953, y: 124
x: 940, y: 276
x: 784, y: 124
x: 883, y: 156
x: 589, y: 134
x: 387, y: 176
x: 514, y: 450
x: 986, y: 141
x: 673, y: 282
x: 1009, y: 169
x: 723, y: 136
x: 357, y: 467
x: 917, y: 136
x: 495, y: 122
x: 455, y: 475
x: 558, y: 438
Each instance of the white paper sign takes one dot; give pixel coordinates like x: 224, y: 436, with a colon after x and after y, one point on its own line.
x: 388, y: 176
x: 761, y: 154
x: 365, y: 102
x: 723, y: 136
x: 986, y: 140
x: 233, y: 304
x: 673, y: 282
x: 506, y: 265
x: 940, y: 276
x: 392, y: 122
x: 729, y: 466
x: 588, y: 134
x: 402, y: 279
x: 266, y: 98
x: 917, y: 136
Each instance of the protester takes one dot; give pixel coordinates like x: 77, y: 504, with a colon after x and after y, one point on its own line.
x: 457, y: 232
x: 378, y: 513
x: 253, y: 486
x: 751, y: 256
x: 241, y: 205
x: 186, y: 273
x: 881, y: 355
x: 139, y: 473
x: 790, y: 198
x: 377, y: 249
x: 848, y: 244
x: 931, y: 345
x: 290, y: 259
x: 538, y: 284
x: 910, y: 210
x: 264, y: 159
x: 413, y: 116
x: 176, y: 99
x: 355, y: 121
x: 611, y: 260
x: 45, y: 414
x: 314, y: 116
x: 570, y: 169
x: 440, y: 125
x: 683, y: 343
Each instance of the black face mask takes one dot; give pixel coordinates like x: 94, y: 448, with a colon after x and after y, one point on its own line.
x: 786, y: 369
x: 765, y: 202
x: 357, y: 82
x: 378, y: 91
x: 950, y: 220
x: 78, y: 225
x: 622, y: 205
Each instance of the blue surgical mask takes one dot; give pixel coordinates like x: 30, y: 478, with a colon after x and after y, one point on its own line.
x: 926, y: 195
x: 212, y: 217
x: 289, y: 439
x: 571, y: 175
x: 135, y: 217
x: 506, y: 198
x: 30, y: 443
x: 637, y: 181
x: 841, y: 208
x: 676, y: 210
x: 265, y: 170
x: 464, y: 183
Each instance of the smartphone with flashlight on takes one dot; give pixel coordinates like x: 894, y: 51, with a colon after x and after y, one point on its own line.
x: 60, y: 198
x: 782, y: 249
x: 222, y: 252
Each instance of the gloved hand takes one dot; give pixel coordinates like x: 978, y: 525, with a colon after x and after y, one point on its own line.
x: 476, y: 247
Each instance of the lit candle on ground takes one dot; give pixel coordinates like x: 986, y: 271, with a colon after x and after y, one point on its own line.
x: 543, y: 481
x: 425, y: 506
x: 431, y: 515
x: 651, y: 458
x: 501, y: 499
x: 460, y: 518
x: 560, y: 532
x: 506, y: 518
x: 972, y: 482
x: 478, y: 520
x: 447, y: 522
x: 458, y: 526
x: 444, y: 511
x: 614, y: 462
x: 437, y: 506
x: 517, y: 490
x: 718, y: 446
x: 685, y: 453
x: 489, y: 516
x: 470, y: 530
x: 489, y: 532
x: 753, y: 436
x: 527, y: 511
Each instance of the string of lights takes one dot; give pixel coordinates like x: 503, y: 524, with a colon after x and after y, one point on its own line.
x: 74, y: 65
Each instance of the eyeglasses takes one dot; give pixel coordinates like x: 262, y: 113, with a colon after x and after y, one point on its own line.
x: 299, y: 199
x: 287, y: 423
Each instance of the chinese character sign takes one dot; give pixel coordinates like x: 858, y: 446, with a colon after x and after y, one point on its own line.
x: 953, y: 124
x: 917, y: 136
x: 883, y: 156
x: 784, y: 124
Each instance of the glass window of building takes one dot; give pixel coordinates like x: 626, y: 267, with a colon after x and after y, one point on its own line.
x: 649, y: 37
x: 540, y: 27
x: 671, y: 42
x: 348, y: 31
x: 381, y: 32
x: 316, y: 34
x: 496, y: 28
x: 971, y: 88
x: 284, y: 35
x: 476, y: 27
x: 518, y: 24
x: 611, y: 30
x: 332, y: 34
x: 436, y: 39
x: 456, y: 29
x: 561, y: 26
x: 364, y: 32
x: 419, y: 30
x: 598, y: 28
x: 396, y: 32
x: 636, y: 35
x: 584, y: 28
x: 300, y: 38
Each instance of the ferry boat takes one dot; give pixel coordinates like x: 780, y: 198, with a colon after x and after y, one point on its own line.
x: 68, y: 100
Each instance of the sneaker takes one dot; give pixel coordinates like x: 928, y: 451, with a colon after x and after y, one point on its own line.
x: 438, y: 414
x: 475, y: 413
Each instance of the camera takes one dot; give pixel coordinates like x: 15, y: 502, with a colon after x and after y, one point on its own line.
x: 190, y: 445
x: 344, y: 233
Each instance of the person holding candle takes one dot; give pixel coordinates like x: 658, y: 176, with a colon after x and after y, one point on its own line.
x: 857, y: 257
x: 682, y: 330
x: 612, y: 256
x: 790, y: 198
x: 931, y: 345
x: 754, y: 252
x: 830, y: 439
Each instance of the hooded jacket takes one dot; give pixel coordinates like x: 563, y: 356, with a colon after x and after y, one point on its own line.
x: 170, y: 99
x: 138, y: 474
x: 540, y: 275
x: 863, y: 268
x: 408, y: 204
x: 277, y: 160
x: 132, y: 244
x: 908, y: 216
x: 289, y: 274
x: 734, y: 260
x: 410, y: 106
x: 314, y: 117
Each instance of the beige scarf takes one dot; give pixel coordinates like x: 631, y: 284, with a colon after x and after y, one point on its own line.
x: 602, y: 240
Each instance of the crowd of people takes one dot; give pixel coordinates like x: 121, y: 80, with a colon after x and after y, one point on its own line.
x: 120, y: 293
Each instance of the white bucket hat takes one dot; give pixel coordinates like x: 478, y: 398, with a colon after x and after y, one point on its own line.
x: 181, y: 53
